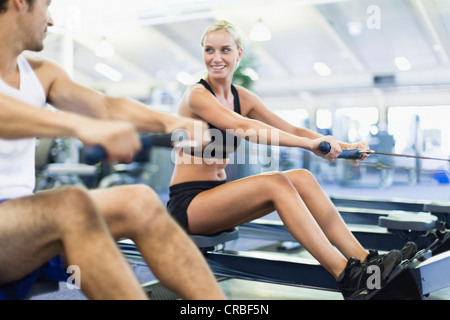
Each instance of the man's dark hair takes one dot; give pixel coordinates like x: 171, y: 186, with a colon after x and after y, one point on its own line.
x: 4, y: 4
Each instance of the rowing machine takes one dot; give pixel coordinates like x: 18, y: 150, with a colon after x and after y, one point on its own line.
x: 356, y: 154
x: 95, y: 154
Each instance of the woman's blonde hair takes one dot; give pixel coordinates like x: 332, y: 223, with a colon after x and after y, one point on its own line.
x: 227, y: 26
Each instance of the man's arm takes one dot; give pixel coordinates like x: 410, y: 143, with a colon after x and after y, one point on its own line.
x: 65, y: 94
x: 19, y: 120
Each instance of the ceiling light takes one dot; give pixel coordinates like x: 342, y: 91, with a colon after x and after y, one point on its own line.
x: 354, y: 28
x: 260, y: 32
x: 322, y: 69
x: 108, y: 72
x: 402, y: 63
x: 104, y: 49
x: 437, y: 47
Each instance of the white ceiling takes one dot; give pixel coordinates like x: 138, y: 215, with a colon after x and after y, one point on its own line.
x: 156, y: 40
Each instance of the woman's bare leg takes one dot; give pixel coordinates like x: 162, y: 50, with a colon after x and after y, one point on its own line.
x: 243, y: 200
x: 326, y: 214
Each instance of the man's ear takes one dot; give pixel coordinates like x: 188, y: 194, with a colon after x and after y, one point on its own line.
x: 20, y: 5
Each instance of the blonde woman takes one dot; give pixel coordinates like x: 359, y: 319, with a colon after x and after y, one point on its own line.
x: 203, y: 202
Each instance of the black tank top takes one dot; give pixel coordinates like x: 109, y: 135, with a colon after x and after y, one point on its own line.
x: 229, y: 142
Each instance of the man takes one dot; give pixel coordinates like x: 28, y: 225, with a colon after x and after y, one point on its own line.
x: 77, y: 226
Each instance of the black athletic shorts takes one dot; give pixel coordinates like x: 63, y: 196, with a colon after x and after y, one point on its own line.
x: 181, y: 196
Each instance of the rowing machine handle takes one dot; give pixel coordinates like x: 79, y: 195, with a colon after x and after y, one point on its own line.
x: 354, y: 154
x: 96, y: 154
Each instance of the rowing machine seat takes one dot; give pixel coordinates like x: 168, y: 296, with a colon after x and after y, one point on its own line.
x: 439, y: 208
x: 206, y: 242
x: 419, y: 222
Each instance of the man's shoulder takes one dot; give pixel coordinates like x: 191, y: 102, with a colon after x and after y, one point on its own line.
x: 46, y: 70
x: 38, y: 62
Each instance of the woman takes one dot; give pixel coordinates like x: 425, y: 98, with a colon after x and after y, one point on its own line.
x: 204, y: 203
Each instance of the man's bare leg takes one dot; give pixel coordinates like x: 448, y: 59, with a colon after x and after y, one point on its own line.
x: 66, y: 222
x: 137, y: 213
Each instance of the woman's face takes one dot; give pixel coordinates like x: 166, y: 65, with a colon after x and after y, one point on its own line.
x: 221, y: 54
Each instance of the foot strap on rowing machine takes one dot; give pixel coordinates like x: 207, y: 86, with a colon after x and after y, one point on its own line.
x: 441, y: 239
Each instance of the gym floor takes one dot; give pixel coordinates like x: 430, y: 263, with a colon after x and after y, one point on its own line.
x: 250, y: 290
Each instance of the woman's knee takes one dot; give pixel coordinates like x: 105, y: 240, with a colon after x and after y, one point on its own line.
x: 277, y: 177
x: 301, y: 176
x: 275, y: 184
x: 295, y: 182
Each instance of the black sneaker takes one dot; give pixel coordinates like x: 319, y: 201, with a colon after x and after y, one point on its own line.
x: 372, y: 256
x: 387, y: 263
x: 352, y: 279
x: 408, y: 251
x: 355, y: 275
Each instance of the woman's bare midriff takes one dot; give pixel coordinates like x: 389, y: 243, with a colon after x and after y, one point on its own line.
x: 190, y: 168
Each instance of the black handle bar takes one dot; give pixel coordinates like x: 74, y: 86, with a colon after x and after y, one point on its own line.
x: 95, y: 154
x: 346, y: 154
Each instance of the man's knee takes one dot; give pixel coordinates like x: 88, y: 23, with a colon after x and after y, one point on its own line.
x: 143, y: 198
x: 141, y: 203
x: 75, y: 208
x: 74, y: 195
x: 143, y: 211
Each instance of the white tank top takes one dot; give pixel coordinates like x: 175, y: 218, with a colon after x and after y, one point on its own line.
x: 17, y: 157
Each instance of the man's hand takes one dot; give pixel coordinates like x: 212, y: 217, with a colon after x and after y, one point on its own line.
x: 119, y: 139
